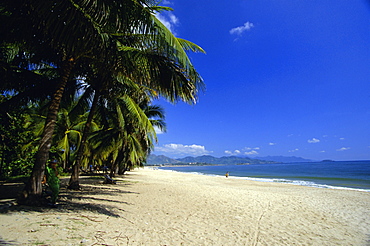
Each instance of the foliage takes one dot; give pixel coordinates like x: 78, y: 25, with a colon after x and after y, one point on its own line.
x: 16, y: 156
x: 84, y: 74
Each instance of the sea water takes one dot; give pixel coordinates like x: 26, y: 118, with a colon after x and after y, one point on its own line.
x: 336, y: 175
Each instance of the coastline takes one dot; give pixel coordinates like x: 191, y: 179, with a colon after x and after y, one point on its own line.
x: 276, y: 180
x: 337, y: 175
x: 157, y: 207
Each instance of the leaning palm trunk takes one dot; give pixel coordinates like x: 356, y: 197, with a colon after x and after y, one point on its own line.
x: 116, y: 163
x: 123, y: 168
x: 74, y: 182
x: 33, y: 189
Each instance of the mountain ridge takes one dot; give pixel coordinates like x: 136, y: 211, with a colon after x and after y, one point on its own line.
x: 225, y: 160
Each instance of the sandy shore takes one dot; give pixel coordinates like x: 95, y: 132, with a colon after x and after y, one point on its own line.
x: 154, y: 207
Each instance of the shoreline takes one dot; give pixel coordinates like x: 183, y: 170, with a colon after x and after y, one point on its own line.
x: 273, y: 180
x: 317, y: 175
x: 157, y: 207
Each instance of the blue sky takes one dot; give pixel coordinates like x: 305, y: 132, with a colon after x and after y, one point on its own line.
x: 288, y: 78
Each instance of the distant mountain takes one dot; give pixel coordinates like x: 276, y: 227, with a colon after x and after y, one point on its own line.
x: 200, y: 159
x: 160, y: 159
x: 226, y: 160
x: 205, y: 159
x: 284, y: 159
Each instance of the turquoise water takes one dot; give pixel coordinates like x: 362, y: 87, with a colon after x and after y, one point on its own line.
x: 337, y: 175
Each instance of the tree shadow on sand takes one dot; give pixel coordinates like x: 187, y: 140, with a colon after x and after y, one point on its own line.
x: 73, y: 200
x: 3, y: 242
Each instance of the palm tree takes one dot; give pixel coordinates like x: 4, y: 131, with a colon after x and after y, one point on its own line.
x: 68, y: 133
x: 157, y: 60
x: 156, y: 117
x: 69, y: 35
x: 63, y: 33
x: 128, y: 134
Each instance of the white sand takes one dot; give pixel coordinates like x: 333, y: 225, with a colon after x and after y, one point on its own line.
x: 167, y: 208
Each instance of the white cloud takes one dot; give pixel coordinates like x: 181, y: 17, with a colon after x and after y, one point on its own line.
x: 228, y: 152
x: 157, y: 130
x: 322, y: 151
x: 235, y: 152
x: 245, y: 151
x: 166, y: 2
x: 240, y: 29
x: 293, y: 150
x: 272, y: 144
x: 169, y: 20
x: 252, y: 152
x: 249, y: 148
x: 173, y: 18
x: 314, y: 140
x: 341, y: 138
x: 343, y: 149
x: 181, y: 149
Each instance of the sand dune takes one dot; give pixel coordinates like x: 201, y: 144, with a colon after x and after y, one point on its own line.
x: 154, y: 207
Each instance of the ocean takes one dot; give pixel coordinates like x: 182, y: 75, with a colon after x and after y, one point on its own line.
x: 353, y: 175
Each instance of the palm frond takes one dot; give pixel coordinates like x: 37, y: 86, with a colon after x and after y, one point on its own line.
x: 190, y: 46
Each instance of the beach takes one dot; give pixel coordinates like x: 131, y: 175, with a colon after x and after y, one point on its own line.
x: 157, y: 207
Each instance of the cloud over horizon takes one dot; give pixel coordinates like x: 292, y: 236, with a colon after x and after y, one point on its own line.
x: 181, y: 149
x: 235, y: 152
x: 245, y: 151
x: 293, y: 150
x: 252, y: 152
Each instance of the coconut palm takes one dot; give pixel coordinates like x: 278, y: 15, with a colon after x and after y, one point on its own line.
x: 128, y: 134
x: 68, y: 35
x: 149, y: 65
x: 63, y: 33
x: 161, y: 64
x: 68, y: 133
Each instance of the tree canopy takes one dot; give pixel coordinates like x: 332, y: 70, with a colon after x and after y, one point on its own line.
x: 80, y: 77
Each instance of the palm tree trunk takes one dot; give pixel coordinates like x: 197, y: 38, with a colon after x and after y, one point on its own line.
x: 122, y: 169
x: 33, y: 189
x: 115, y: 166
x: 74, y: 182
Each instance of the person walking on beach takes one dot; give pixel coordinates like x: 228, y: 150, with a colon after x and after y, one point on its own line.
x: 227, y: 174
x: 51, y: 174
